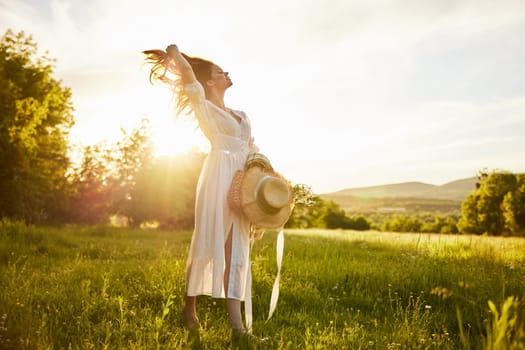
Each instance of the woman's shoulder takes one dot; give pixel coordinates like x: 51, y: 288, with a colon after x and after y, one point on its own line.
x: 195, y: 92
x: 196, y: 85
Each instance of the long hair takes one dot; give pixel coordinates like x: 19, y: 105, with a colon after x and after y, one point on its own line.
x: 159, y: 60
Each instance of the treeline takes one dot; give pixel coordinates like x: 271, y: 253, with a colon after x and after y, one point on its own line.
x: 321, y: 213
x: 311, y: 211
x: 127, y: 184
x: 495, y: 207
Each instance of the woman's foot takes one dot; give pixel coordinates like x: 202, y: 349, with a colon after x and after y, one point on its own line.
x: 190, y: 319
x: 242, y: 340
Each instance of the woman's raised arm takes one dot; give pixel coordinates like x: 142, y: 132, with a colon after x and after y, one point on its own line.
x: 180, y: 65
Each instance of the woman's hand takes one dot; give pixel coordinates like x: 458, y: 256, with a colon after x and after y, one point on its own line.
x: 172, y: 50
x: 178, y: 64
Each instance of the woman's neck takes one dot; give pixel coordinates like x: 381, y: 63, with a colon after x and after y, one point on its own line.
x: 216, y: 97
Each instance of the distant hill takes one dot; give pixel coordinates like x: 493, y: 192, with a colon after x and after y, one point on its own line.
x: 406, y: 189
x: 407, y: 196
x: 455, y: 190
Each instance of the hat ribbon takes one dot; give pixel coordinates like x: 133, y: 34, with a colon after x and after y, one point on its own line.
x: 275, y: 291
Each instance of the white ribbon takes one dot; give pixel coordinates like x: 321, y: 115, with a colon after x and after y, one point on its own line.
x: 248, y: 295
x: 275, y: 291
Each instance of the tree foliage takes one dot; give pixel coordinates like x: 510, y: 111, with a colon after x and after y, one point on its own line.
x: 497, y: 206
x: 308, y: 211
x: 125, y: 180
x: 165, y: 191
x: 314, y: 212
x: 91, y: 195
x: 36, y: 116
x: 131, y: 156
x: 403, y: 223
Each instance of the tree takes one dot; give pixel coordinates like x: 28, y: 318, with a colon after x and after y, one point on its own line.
x: 335, y: 217
x: 403, y: 223
x: 360, y: 223
x: 91, y: 196
x: 165, y: 191
x: 513, y: 207
x: 309, y: 209
x: 496, y: 206
x: 36, y: 116
x: 132, y: 155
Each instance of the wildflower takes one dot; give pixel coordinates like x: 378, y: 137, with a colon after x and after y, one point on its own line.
x: 442, y: 292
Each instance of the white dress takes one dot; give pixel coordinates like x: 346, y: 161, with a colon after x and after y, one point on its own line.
x: 231, y: 142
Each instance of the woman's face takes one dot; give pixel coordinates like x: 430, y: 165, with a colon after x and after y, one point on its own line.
x: 220, y: 78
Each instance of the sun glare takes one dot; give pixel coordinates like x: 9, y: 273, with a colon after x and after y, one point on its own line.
x: 176, y: 137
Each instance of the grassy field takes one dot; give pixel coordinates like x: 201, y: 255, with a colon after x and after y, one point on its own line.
x: 109, y: 288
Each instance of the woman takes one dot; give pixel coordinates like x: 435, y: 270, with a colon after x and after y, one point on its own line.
x: 218, y: 260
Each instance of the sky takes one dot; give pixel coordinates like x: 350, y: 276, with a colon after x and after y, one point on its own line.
x: 340, y: 93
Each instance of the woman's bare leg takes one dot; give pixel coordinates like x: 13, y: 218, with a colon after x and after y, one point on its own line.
x: 233, y: 306
x: 189, y: 311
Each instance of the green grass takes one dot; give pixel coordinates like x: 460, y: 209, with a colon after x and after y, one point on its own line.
x: 109, y: 288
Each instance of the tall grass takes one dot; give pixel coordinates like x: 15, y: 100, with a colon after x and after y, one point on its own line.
x: 108, y: 288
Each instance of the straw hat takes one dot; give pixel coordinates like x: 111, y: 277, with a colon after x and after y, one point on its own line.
x: 266, y: 198
x: 263, y: 196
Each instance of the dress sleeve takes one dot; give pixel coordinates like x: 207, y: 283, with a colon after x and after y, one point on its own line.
x: 195, y: 93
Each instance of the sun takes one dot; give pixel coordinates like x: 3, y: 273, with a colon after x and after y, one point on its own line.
x: 176, y: 137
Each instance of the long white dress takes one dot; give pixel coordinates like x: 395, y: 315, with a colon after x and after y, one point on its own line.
x: 231, y: 141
